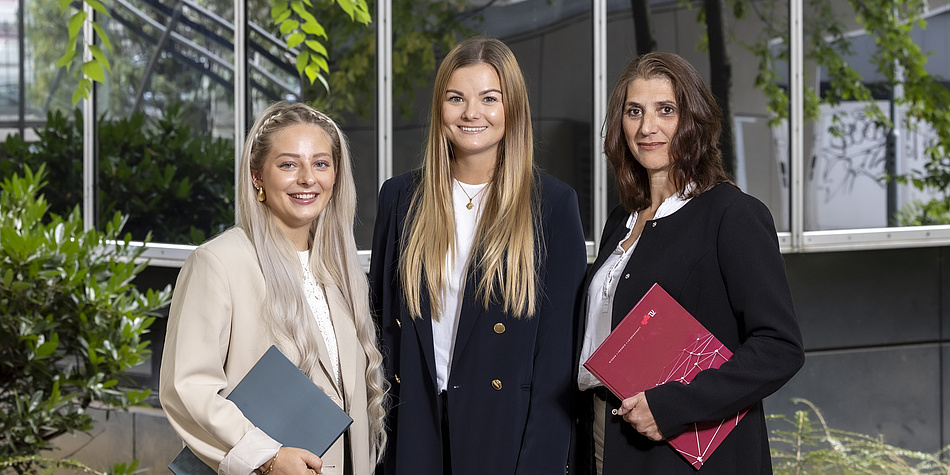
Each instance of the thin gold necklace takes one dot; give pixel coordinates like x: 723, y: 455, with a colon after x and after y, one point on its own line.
x: 470, y: 205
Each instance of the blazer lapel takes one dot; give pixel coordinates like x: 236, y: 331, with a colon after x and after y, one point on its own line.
x: 423, y: 328
x: 467, y: 317
x: 346, y: 341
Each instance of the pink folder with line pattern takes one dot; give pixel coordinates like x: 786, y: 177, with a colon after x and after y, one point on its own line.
x: 659, y: 341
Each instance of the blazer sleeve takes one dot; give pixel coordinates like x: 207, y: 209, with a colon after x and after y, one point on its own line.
x: 770, y: 350
x: 192, y: 373
x: 548, y: 430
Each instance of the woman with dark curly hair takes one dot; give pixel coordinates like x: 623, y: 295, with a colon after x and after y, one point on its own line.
x: 682, y: 224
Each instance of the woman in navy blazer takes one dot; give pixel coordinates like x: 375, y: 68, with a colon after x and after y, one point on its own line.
x: 477, y: 263
x: 682, y: 224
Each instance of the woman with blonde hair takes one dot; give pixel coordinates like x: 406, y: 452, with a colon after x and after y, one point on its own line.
x: 286, y: 275
x: 477, y: 263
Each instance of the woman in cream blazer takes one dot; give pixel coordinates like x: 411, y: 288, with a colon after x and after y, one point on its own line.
x: 287, y: 275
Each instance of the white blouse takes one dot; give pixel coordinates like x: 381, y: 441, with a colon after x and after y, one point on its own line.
x: 443, y: 330
x: 603, y: 286
x: 321, y: 311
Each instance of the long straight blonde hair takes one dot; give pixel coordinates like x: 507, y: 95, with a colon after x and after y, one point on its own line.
x: 503, y: 252
x: 333, y: 257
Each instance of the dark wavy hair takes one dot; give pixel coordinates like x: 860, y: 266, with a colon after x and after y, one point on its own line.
x: 694, y: 148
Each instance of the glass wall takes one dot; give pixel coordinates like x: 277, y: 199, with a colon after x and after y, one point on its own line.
x: 166, y: 119
x: 166, y: 115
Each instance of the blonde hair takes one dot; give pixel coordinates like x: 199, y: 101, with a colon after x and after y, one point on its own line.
x: 333, y: 257
x: 503, y: 252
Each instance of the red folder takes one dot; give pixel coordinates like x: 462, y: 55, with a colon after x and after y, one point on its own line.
x: 659, y: 341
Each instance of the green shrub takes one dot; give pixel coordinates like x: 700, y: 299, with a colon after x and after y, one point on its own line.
x: 71, y: 320
x: 806, y: 446
x: 164, y: 178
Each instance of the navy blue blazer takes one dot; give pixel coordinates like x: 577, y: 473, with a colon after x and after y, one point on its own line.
x: 719, y: 257
x: 510, y: 385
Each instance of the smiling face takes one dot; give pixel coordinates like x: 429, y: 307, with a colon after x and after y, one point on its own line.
x: 297, y: 177
x: 473, y: 112
x: 650, y: 117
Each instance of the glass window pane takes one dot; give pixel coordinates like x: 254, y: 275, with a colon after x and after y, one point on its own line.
x: 846, y: 185
x: 166, y: 127
x: 33, y: 87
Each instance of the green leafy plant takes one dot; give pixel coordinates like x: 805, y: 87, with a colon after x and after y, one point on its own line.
x: 164, y: 178
x: 804, y: 444
x: 95, y: 67
x: 47, y: 465
x: 71, y: 319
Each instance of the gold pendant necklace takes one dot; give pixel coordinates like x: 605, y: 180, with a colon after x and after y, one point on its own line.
x: 470, y: 205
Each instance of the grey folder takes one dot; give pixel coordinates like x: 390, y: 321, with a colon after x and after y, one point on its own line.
x: 283, y: 402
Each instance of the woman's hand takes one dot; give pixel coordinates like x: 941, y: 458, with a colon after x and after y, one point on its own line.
x: 636, y: 411
x: 292, y: 461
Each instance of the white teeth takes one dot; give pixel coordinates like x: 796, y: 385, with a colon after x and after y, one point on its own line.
x: 304, y: 196
x: 472, y: 129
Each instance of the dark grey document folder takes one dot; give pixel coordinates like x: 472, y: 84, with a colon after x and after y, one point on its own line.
x: 283, y: 402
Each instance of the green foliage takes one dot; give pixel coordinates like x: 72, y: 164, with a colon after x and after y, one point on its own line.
x: 47, y: 465
x: 166, y: 180
x: 93, y: 69
x: 71, y: 320
x: 805, y: 445
x: 925, y: 213
x: 297, y: 23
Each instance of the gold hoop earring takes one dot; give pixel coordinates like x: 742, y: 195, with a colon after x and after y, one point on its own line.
x: 260, y: 195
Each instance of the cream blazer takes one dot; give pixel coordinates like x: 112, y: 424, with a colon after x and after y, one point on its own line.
x: 215, y: 335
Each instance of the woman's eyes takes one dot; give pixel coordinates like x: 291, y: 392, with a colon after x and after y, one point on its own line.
x: 663, y: 111
x: 317, y: 164
x: 460, y: 99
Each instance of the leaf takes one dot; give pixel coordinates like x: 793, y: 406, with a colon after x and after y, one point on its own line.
x: 311, y: 73
x: 99, y: 56
x: 75, y: 24
x: 314, y: 28
x: 287, y: 26
x: 278, y: 8
x: 282, y: 17
x: 305, y: 15
x: 101, y: 34
x: 317, y: 47
x: 67, y: 59
x: 302, y: 60
x: 321, y: 62
x: 93, y: 70
x: 81, y: 92
x: 48, y: 348
x: 98, y: 7
x: 295, y: 39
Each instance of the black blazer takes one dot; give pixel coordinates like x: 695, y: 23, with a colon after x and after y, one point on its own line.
x: 718, y: 256
x: 510, y: 386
